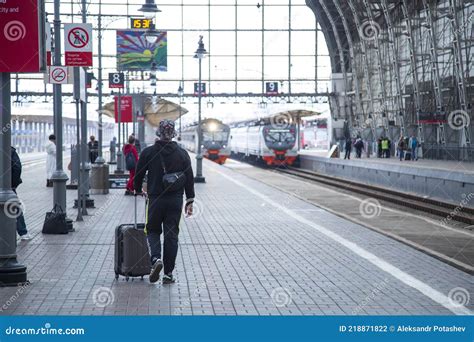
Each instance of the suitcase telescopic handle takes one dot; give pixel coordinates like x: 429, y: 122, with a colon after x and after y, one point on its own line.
x: 135, y: 213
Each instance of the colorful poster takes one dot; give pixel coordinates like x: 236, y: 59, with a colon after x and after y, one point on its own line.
x: 126, y: 108
x: 134, y: 52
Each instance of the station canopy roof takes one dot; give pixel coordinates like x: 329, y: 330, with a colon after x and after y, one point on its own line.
x: 155, y: 111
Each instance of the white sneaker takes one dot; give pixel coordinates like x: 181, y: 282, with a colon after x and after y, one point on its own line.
x: 26, y: 237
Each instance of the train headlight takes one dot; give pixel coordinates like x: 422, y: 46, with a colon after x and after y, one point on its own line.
x: 212, y: 127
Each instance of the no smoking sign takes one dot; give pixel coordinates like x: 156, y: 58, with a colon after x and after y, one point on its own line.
x: 78, y: 44
x: 58, y: 75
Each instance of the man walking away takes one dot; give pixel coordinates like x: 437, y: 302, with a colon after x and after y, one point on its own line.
x: 131, y: 160
x: 50, y: 160
x: 165, y: 203
x: 16, y: 181
x: 414, y: 147
x: 348, y: 148
x: 93, y: 149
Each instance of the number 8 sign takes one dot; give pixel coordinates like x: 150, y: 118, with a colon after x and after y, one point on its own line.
x: 116, y: 80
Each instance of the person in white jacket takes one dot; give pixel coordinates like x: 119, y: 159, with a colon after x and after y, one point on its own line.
x: 50, y: 159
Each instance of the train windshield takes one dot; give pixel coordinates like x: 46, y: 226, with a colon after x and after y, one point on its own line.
x: 215, y: 136
x: 280, y: 135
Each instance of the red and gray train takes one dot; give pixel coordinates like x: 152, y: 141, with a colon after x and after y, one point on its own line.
x: 258, y: 140
x: 215, y: 140
x: 263, y: 140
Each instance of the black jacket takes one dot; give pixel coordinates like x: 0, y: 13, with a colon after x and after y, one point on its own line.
x: 16, y: 169
x: 176, y: 159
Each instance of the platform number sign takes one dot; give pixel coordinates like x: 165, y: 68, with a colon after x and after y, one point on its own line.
x: 272, y: 88
x: 116, y: 80
x: 196, y: 89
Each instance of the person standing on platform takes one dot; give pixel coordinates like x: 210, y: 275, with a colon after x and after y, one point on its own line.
x: 93, y: 149
x: 137, y: 144
x: 413, y: 144
x: 113, y: 150
x: 16, y: 181
x: 131, y: 160
x: 165, y: 157
x: 359, y: 145
x: 50, y: 160
x: 385, y: 147
x: 401, y: 147
x: 348, y: 148
x: 379, y: 148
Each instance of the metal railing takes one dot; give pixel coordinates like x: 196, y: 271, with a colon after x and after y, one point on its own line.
x: 455, y: 153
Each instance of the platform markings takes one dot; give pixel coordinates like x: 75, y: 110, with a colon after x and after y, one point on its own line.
x: 395, y: 211
x: 385, y: 266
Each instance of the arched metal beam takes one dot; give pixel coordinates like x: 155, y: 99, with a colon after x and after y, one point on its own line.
x: 360, y: 109
x: 414, y: 68
x: 395, y: 64
x: 458, y: 70
x: 381, y: 73
x: 341, y: 55
x: 436, y: 80
x: 363, y: 48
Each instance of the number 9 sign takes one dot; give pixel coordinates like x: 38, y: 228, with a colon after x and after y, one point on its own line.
x: 272, y: 88
x: 116, y: 80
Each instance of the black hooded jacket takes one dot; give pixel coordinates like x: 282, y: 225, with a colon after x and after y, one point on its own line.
x: 176, y: 159
x: 16, y: 168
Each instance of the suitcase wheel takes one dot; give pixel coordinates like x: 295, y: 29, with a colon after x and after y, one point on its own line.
x: 127, y: 278
x: 116, y: 276
x: 142, y: 278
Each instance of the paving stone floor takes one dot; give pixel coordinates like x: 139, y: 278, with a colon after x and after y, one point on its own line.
x: 239, y: 255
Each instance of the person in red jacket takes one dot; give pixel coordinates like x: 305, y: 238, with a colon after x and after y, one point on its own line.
x: 131, y: 160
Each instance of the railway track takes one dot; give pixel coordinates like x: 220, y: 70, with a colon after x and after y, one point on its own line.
x: 435, y: 207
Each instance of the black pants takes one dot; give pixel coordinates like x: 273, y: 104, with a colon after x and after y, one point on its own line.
x: 348, y: 154
x: 164, y: 213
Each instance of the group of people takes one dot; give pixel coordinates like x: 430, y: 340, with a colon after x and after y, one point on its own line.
x: 358, y: 145
x: 406, y: 148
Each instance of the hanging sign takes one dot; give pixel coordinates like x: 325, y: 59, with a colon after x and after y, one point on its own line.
x: 78, y: 44
x: 22, y: 36
x: 126, y: 108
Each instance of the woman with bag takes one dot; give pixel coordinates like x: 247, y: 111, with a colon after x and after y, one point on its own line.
x: 131, y: 160
x: 50, y: 160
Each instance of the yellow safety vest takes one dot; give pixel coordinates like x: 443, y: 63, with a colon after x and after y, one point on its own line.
x: 384, y: 144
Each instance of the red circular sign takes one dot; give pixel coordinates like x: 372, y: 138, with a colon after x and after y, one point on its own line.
x: 78, y: 37
x: 58, y: 74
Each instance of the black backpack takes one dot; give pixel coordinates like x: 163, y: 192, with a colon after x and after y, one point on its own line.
x: 130, y: 162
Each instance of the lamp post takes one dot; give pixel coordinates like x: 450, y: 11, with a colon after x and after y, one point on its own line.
x: 180, y: 94
x: 199, y: 54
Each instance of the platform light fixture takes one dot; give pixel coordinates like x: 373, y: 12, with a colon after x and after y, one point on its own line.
x: 151, y: 35
x: 200, y: 54
x: 149, y: 9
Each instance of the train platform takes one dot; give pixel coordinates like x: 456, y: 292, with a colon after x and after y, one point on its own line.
x: 448, y: 181
x: 255, y: 246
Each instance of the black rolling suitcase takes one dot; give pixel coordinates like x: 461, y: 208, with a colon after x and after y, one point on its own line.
x: 407, y: 155
x: 131, y: 250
